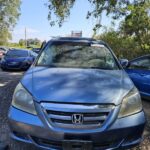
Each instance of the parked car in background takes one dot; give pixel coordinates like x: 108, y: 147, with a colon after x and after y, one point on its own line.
x: 77, y: 96
x: 17, y: 59
x: 36, y: 50
x: 139, y: 71
x: 3, y: 51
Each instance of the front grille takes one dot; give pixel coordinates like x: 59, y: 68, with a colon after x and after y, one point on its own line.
x: 61, y: 115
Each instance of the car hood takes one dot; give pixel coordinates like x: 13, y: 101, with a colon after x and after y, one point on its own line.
x: 77, y: 85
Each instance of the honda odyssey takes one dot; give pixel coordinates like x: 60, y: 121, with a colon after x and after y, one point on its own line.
x: 77, y: 96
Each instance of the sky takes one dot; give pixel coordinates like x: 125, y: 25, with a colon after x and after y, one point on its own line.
x: 34, y: 18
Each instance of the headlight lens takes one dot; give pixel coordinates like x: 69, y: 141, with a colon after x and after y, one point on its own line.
x: 23, y: 100
x: 131, y: 104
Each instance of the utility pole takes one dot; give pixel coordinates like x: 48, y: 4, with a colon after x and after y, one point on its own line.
x: 25, y: 37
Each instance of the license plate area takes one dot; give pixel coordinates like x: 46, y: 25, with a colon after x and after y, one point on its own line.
x: 77, y: 145
x: 13, y: 63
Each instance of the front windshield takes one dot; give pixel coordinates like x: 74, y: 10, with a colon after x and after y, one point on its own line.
x: 77, y: 55
x: 17, y: 53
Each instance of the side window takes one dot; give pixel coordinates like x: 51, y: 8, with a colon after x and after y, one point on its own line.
x: 30, y: 54
x: 33, y: 54
x: 46, y: 56
x: 141, y: 64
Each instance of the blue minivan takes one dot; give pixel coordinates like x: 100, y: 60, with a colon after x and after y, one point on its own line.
x: 77, y: 96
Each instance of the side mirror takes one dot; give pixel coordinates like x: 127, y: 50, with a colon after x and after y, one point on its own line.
x: 124, y: 63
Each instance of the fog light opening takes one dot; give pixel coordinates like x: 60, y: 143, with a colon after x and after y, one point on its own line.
x: 21, y: 135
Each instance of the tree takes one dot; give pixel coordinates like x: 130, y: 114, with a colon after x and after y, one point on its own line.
x: 30, y: 42
x: 61, y: 8
x: 35, y: 41
x: 115, y: 8
x: 137, y: 25
x: 123, y: 46
x: 9, y: 13
x: 21, y: 42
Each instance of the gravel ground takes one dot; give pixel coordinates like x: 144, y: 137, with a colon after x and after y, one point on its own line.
x: 8, y: 81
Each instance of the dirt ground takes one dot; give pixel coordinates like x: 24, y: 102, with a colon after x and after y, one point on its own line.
x: 8, y: 81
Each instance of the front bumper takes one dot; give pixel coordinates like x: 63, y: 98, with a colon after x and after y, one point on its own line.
x: 123, y: 133
x: 18, y: 66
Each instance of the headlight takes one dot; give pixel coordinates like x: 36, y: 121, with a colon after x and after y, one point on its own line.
x: 23, y: 100
x: 131, y: 104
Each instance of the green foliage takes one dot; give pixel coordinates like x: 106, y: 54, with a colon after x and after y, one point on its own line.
x: 123, y: 46
x: 30, y: 42
x: 137, y: 25
x: 33, y: 42
x: 17, y: 46
x: 21, y: 42
x: 60, y: 8
x: 9, y: 13
x: 115, y: 8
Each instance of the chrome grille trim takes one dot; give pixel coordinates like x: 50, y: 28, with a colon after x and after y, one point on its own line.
x: 60, y: 115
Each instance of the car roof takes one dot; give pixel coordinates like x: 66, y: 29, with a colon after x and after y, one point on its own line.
x: 77, y: 39
x: 20, y: 50
x: 74, y: 38
x: 148, y: 55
